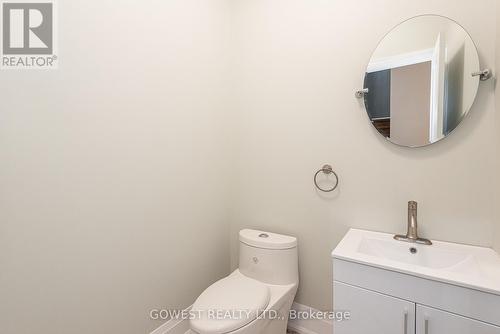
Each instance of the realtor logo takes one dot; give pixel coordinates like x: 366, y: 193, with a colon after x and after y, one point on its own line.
x: 28, y: 32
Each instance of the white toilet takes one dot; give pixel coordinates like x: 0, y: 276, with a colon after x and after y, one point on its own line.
x: 256, y: 298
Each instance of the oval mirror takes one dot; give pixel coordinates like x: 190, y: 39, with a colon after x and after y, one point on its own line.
x: 419, y: 84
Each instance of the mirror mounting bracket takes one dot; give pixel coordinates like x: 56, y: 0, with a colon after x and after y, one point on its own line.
x: 483, y: 74
x: 361, y: 93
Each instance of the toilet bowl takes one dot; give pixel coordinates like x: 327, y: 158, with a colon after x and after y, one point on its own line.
x: 255, y: 298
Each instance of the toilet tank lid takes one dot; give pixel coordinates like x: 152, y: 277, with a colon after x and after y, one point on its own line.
x: 267, y: 240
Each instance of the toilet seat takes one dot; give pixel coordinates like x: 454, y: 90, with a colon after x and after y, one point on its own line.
x: 229, y: 304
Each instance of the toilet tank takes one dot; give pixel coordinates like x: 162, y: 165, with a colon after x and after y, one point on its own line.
x: 268, y: 257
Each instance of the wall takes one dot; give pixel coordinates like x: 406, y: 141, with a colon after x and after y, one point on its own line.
x: 116, y: 167
x: 113, y: 197
x: 300, y: 62
x: 413, y: 36
x: 497, y: 105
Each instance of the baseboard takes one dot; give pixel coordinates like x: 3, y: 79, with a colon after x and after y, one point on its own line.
x: 173, y: 326
x: 309, y: 326
x: 300, y: 326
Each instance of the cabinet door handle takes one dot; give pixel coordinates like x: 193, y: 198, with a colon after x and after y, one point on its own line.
x: 426, y: 326
x: 406, y: 323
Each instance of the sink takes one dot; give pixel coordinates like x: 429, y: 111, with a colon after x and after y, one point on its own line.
x: 420, y: 255
x: 464, y: 265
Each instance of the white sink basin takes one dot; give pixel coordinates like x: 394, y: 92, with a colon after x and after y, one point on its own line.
x: 470, y: 266
x: 420, y: 255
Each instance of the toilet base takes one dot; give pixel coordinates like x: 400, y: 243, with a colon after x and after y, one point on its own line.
x: 266, y: 326
x: 279, y: 326
x: 274, y: 319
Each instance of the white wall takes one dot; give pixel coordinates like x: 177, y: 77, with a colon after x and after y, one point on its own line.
x: 113, y: 175
x: 497, y: 112
x: 300, y: 63
x: 413, y: 36
x: 115, y: 188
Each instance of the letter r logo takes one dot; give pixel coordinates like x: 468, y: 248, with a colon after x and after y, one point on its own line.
x: 27, y: 28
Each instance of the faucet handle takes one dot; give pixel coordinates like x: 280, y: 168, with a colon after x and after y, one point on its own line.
x: 412, y: 205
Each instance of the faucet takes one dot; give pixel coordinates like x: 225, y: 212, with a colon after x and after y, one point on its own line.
x: 411, y: 234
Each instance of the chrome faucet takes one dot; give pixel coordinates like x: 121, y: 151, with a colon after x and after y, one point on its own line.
x: 412, y: 234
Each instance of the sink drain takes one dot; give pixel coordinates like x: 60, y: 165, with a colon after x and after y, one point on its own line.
x: 413, y: 250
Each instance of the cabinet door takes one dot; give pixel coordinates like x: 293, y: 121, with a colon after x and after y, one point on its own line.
x: 433, y: 321
x: 371, y: 312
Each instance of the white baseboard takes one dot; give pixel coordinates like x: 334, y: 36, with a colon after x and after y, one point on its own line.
x: 301, y: 326
x: 309, y: 326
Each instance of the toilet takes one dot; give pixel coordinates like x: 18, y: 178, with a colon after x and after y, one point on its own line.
x: 255, y: 298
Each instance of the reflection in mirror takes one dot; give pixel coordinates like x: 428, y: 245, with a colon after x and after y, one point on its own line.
x: 419, y: 80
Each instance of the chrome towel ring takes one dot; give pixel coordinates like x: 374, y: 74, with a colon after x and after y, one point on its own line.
x: 326, y: 169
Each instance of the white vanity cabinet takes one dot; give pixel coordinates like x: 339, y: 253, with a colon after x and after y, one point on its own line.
x: 433, y: 321
x: 388, y: 291
x: 375, y: 313
x: 372, y: 312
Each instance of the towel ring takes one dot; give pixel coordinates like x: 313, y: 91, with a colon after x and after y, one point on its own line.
x: 326, y: 169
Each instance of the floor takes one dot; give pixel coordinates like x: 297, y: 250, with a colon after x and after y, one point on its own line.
x: 287, y: 332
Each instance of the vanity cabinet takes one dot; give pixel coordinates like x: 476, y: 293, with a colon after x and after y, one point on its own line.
x: 386, y: 302
x: 433, y: 321
x: 372, y: 312
x: 392, y: 287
